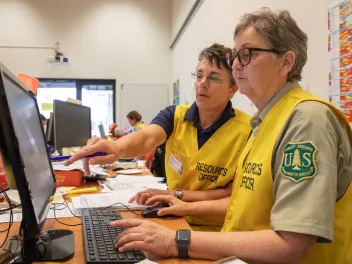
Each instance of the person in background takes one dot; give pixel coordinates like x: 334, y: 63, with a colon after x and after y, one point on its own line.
x: 292, y: 198
x: 135, y: 120
x: 203, y: 140
x: 44, y: 121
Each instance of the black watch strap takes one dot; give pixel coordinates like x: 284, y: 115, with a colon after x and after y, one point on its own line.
x: 182, y: 249
x: 183, y: 238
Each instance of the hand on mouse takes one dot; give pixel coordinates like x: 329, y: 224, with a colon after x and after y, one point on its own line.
x: 177, y: 207
x: 146, y: 235
x: 96, y: 144
x: 143, y: 196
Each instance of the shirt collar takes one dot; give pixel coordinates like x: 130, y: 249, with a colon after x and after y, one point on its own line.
x: 287, y: 87
x: 193, y: 115
x: 259, y: 116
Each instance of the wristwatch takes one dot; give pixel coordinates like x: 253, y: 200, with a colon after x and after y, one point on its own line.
x: 183, y: 237
x: 178, y: 194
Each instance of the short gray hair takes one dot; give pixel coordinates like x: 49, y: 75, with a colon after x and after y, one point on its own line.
x: 282, y: 34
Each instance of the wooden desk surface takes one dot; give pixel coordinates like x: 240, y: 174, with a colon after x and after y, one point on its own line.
x: 79, y: 255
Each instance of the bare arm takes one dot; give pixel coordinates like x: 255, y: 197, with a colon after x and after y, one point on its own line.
x: 214, y: 210
x: 133, y: 145
x: 142, y: 142
x: 218, y: 193
x: 266, y: 246
x: 188, y: 196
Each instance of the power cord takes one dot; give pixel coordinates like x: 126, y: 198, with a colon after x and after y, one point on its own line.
x: 12, y: 253
x: 11, y: 217
x: 8, y: 209
x: 62, y: 209
x: 104, y: 208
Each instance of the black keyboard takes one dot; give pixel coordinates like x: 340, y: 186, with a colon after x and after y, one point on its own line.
x: 99, y: 238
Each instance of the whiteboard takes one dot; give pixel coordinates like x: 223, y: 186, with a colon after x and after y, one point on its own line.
x: 147, y: 99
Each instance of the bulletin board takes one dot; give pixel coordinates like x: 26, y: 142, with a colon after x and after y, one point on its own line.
x: 340, y: 56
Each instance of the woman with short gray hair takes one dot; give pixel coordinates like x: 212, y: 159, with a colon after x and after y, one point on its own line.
x: 292, y: 198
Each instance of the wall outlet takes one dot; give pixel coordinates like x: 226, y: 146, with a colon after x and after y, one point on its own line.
x: 50, y: 59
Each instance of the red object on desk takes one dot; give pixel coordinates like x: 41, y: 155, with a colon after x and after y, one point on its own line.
x: 72, y: 178
x: 3, y: 181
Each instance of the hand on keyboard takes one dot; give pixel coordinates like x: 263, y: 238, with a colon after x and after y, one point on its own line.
x: 146, y: 235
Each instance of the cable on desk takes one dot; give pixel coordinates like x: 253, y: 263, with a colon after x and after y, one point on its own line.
x: 4, y: 190
x: 18, y: 242
x: 123, y: 205
x: 68, y: 207
x: 8, y: 209
x: 11, y: 217
x: 62, y: 222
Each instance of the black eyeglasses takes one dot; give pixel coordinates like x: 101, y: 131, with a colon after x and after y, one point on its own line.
x: 245, y: 55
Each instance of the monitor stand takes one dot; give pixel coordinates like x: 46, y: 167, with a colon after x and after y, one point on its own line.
x: 52, y: 245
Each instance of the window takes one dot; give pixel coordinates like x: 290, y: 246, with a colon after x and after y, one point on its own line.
x: 99, y: 95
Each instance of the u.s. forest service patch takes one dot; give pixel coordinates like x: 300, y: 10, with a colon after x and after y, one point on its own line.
x: 299, y: 161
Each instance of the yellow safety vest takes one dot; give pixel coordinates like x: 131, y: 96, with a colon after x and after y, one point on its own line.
x: 250, y: 209
x: 210, y: 167
x: 139, y: 126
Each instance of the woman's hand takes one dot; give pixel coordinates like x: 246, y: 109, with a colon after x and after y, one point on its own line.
x: 96, y: 144
x: 177, y: 207
x: 146, y: 235
x: 143, y: 196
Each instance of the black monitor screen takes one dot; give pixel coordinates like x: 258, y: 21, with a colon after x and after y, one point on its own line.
x: 72, y: 124
x: 49, y: 134
x: 32, y: 146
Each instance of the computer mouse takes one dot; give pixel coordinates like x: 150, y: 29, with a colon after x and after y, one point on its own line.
x: 118, y: 168
x: 152, y: 211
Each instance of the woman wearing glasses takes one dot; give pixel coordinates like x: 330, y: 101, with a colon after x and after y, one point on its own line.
x: 203, y: 140
x: 298, y: 205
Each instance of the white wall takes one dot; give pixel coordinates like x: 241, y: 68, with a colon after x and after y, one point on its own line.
x: 112, y: 39
x: 215, y: 22
x: 180, y: 10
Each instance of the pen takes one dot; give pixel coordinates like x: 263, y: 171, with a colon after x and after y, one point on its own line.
x: 88, y: 156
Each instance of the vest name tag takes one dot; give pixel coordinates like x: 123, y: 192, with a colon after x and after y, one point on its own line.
x: 175, y: 164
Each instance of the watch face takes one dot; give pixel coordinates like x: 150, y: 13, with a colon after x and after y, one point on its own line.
x: 183, y: 235
x: 178, y: 194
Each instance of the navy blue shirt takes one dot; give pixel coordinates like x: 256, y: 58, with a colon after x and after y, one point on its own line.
x: 165, y: 119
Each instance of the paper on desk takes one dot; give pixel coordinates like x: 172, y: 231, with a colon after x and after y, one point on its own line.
x: 60, y: 212
x: 5, y: 218
x: 132, y: 182
x: 94, y: 169
x: 134, y: 179
x: 98, y: 170
x: 63, y: 211
x: 112, y: 199
x: 109, y: 186
x: 147, y: 261
x: 74, y: 166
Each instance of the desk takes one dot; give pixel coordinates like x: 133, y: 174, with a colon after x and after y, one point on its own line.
x: 79, y: 255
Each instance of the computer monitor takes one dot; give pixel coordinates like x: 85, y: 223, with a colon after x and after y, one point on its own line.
x: 102, y: 131
x: 49, y: 135
x: 26, y: 161
x: 71, y: 124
